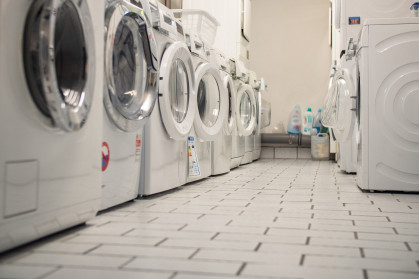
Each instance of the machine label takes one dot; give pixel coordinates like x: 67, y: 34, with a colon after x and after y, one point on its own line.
x: 355, y: 20
x: 193, y: 158
x: 138, y: 148
x: 105, y: 155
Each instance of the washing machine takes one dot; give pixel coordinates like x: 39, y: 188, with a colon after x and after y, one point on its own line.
x: 164, y: 158
x: 340, y: 112
x: 388, y: 136
x: 221, y: 147
x: 131, y: 73
x: 247, y: 106
x: 51, y: 116
x: 238, y: 141
x: 257, y: 137
x: 263, y: 117
x: 351, y: 14
x: 265, y: 110
x: 211, y: 110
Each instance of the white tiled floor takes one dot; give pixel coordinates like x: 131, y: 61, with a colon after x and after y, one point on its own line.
x: 269, y: 219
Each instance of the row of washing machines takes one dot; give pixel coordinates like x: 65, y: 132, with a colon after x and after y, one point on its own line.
x: 105, y: 101
x: 373, y: 100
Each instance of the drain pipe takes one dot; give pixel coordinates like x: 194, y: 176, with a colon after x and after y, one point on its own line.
x: 286, y: 140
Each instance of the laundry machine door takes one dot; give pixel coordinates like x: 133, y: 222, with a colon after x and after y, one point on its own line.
x: 212, y: 102
x: 59, y: 59
x: 345, y: 106
x: 231, y: 115
x: 246, y: 110
x: 130, y: 72
x: 177, y: 97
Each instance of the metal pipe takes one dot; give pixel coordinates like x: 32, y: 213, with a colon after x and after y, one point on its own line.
x: 286, y: 140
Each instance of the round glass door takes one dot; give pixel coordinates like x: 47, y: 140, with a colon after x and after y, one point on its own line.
x: 345, y: 106
x: 212, y: 102
x: 59, y: 60
x: 231, y: 91
x: 176, y: 91
x: 208, y: 100
x: 246, y: 110
x: 131, y: 86
x: 179, y: 90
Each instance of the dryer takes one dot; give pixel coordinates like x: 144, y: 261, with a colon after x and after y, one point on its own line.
x: 211, y: 110
x: 164, y: 157
x: 388, y: 149
x: 221, y: 147
x: 131, y: 71
x: 50, y: 116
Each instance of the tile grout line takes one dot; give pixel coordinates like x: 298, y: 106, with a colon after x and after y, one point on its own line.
x: 194, y: 253
x: 239, y: 272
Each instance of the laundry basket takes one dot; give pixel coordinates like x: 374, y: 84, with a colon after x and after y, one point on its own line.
x: 320, y: 147
x: 199, y: 22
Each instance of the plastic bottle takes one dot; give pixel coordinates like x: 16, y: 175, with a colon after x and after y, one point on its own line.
x: 317, y: 123
x: 294, y: 123
x: 308, y: 122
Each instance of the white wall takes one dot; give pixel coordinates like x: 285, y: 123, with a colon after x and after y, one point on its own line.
x: 290, y: 48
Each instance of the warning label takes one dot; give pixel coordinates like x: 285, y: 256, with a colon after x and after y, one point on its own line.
x: 105, y: 155
x: 138, y: 148
x: 193, y: 158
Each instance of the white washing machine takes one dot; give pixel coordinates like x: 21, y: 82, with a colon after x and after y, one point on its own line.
x: 388, y: 57
x: 211, y: 110
x: 131, y: 72
x: 340, y: 113
x: 164, y: 154
x: 238, y: 141
x: 351, y: 14
x: 255, y: 83
x: 221, y: 147
x: 263, y: 117
x: 50, y: 116
x: 247, y: 106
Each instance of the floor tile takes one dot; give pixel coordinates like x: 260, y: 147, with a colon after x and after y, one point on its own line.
x: 71, y: 273
x: 24, y: 272
x: 180, y: 265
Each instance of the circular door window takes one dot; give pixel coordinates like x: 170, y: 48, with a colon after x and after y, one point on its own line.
x: 245, y: 110
x: 179, y: 90
x: 131, y: 88
x: 59, y: 61
x: 208, y: 100
x: 229, y: 85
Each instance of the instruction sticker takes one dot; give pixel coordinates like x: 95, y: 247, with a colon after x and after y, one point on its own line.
x: 193, y: 158
x: 138, y: 148
x: 355, y: 20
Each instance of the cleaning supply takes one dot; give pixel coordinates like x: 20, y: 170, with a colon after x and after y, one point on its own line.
x: 294, y: 122
x: 317, y: 123
x: 320, y: 147
x: 415, y: 9
x: 308, y: 122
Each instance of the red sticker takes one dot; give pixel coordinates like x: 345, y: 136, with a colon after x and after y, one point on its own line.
x: 105, y: 155
x: 138, y: 143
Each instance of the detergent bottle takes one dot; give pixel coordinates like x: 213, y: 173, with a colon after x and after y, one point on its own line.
x: 308, y: 122
x: 294, y: 123
x: 317, y: 123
